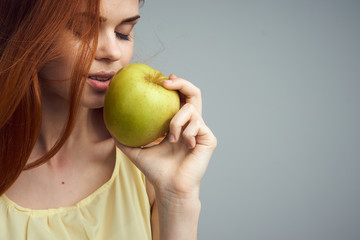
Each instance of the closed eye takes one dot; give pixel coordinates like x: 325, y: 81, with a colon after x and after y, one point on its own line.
x: 122, y: 36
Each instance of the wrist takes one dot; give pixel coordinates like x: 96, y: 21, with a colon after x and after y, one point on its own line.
x: 179, y: 220
x: 178, y: 200
x: 175, y: 206
x: 178, y: 215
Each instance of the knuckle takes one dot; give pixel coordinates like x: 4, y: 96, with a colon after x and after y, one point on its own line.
x: 189, y: 107
x: 179, y: 81
x: 174, y: 123
x: 197, y: 91
x: 199, y: 122
x: 186, y: 134
x: 215, y: 141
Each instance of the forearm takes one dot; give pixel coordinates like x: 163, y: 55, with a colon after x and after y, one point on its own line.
x: 178, y: 218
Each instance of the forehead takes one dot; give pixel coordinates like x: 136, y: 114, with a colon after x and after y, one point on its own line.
x: 119, y: 8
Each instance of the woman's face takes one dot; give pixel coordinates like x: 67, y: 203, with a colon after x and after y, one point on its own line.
x: 114, y: 51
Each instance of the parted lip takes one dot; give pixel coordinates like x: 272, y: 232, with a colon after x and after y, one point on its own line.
x: 102, y: 75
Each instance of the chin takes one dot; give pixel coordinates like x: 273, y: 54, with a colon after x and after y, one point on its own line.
x: 92, y: 100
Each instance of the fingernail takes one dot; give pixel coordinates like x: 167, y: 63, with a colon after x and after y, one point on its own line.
x: 172, y: 76
x: 190, y: 146
x: 172, y: 138
x: 169, y: 81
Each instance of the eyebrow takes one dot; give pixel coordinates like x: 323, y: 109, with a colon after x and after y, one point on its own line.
x: 127, y: 20
x: 103, y: 19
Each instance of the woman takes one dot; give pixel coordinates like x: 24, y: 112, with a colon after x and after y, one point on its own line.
x: 62, y: 175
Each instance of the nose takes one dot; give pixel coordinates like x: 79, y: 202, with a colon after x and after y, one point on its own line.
x: 108, y: 48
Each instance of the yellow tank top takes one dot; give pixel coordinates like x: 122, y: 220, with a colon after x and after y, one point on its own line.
x: 119, y: 209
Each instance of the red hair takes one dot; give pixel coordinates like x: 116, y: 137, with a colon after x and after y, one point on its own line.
x: 28, y: 31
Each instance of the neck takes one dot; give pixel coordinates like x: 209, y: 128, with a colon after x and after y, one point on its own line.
x: 89, y: 129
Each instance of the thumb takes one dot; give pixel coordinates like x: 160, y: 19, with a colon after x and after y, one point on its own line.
x: 131, y: 152
x: 135, y: 155
x: 172, y: 76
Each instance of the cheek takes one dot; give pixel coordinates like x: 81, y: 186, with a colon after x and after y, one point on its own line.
x: 62, y: 66
x: 54, y: 89
x: 55, y: 70
x: 55, y: 77
x: 127, y: 54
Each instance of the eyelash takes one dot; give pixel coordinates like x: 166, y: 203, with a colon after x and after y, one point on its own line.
x: 123, y: 36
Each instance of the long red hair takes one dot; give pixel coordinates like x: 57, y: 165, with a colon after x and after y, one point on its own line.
x: 28, y: 31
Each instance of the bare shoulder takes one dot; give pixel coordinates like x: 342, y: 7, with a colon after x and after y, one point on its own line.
x: 64, y: 182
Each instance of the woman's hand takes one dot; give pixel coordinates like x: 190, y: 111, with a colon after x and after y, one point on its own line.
x: 176, y: 166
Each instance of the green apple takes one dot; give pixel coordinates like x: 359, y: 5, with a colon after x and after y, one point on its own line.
x: 137, y: 108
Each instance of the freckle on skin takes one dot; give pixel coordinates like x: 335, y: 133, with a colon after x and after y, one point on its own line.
x: 62, y: 182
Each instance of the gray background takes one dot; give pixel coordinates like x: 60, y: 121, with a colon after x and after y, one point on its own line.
x: 280, y: 83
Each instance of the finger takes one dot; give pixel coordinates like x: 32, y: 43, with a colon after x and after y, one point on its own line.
x: 155, y: 142
x: 206, y: 138
x: 191, y: 131
x: 136, y: 156
x: 182, y: 117
x: 191, y: 92
x: 130, y: 152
